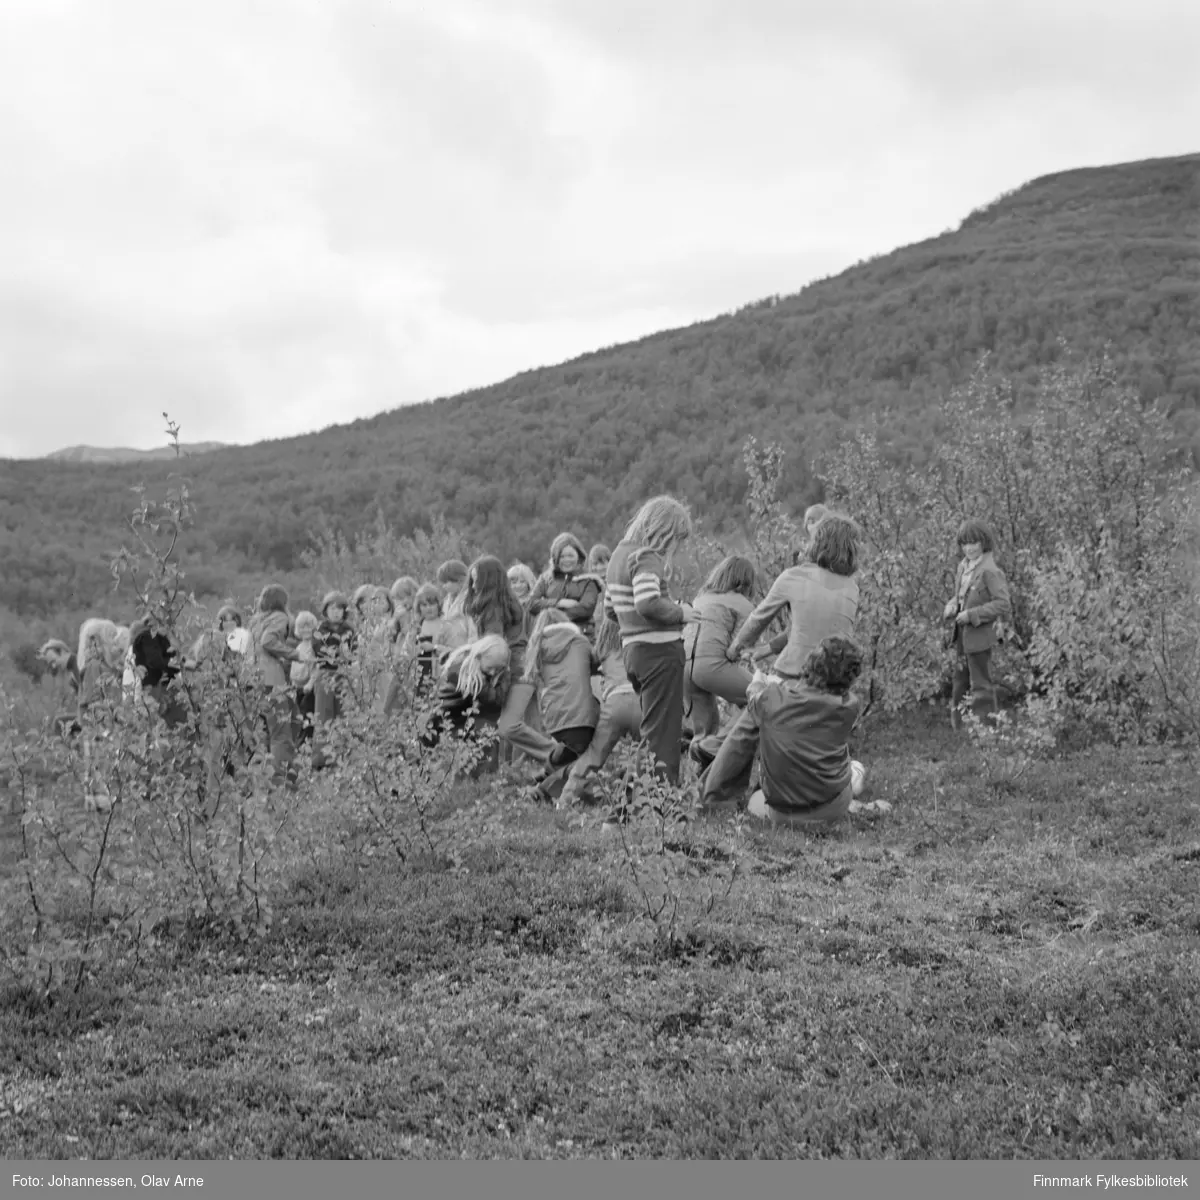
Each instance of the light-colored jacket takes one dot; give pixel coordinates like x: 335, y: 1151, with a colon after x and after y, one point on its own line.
x: 822, y: 605
x: 722, y: 614
x: 565, y: 693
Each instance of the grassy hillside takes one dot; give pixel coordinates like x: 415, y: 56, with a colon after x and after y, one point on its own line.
x: 990, y: 972
x: 1099, y: 257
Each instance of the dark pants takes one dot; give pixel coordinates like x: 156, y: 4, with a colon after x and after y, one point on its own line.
x: 973, y: 672
x: 656, y: 671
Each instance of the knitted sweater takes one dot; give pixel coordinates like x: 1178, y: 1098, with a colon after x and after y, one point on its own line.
x: 637, y: 596
x: 822, y: 605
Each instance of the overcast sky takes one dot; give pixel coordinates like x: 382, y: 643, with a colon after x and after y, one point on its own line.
x: 268, y: 216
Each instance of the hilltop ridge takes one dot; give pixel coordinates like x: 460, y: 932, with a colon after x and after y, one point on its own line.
x: 1103, y: 258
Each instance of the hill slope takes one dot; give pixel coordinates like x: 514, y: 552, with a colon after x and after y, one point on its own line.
x: 1103, y: 256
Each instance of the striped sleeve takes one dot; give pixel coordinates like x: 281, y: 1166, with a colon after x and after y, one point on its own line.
x: 649, y: 598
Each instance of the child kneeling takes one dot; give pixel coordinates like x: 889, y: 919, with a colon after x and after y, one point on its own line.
x: 807, y: 775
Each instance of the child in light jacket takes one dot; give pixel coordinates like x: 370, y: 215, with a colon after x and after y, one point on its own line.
x: 620, y: 712
x: 558, y: 662
x: 723, y: 604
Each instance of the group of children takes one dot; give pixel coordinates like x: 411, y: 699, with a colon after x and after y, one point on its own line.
x: 566, y: 663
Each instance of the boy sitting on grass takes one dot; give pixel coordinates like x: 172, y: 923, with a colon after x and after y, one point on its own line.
x: 804, y: 726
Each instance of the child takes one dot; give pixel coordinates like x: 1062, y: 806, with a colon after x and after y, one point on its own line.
x: 274, y: 650
x: 804, y: 726
x: 304, y: 671
x: 402, y: 594
x: 433, y: 631
x: 652, y: 623
x: 597, y: 565
x: 723, y: 604
x: 522, y: 580
x: 333, y: 643
x: 229, y: 622
x: 473, y: 690
x: 489, y: 602
x: 566, y: 586
x: 620, y: 712
x: 558, y: 662
x: 452, y: 578
x: 980, y: 600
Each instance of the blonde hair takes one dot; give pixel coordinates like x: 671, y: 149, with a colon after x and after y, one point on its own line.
x: 110, y: 639
x: 533, y: 650
x: 662, y: 524
x: 305, y: 624
x: 468, y: 660
x: 520, y: 571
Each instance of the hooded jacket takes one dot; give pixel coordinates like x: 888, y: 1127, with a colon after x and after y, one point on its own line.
x: 565, y: 693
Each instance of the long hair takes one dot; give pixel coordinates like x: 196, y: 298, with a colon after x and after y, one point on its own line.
x: 547, y: 618
x: 488, y: 596
x: 732, y: 574
x: 109, y: 640
x: 608, y: 639
x: 662, y: 524
x: 472, y: 678
x: 835, y: 545
x: 560, y: 543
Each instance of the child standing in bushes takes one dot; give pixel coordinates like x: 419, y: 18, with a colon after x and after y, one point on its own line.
x: 620, y: 712
x: 304, y: 672
x: 724, y: 602
x: 433, y: 632
x: 103, y: 647
x: 980, y: 599
x: 274, y: 651
x: 333, y: 644
x: 558, y: 662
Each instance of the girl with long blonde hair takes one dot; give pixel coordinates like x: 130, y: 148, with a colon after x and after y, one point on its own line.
x: 652, y: 623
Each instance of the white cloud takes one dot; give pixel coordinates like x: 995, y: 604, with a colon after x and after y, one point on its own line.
x: 269, y: 215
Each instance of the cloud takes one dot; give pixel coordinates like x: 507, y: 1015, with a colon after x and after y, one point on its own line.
x: 270, y: 215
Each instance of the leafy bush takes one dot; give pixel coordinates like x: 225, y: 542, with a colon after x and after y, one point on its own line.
x: 1090, y: 501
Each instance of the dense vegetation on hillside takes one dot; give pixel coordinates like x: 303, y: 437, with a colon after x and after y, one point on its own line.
x: 1106, y: 257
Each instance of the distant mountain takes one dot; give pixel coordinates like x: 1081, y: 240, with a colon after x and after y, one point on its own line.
x: 1107, y: 258
x: 122, y: 454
